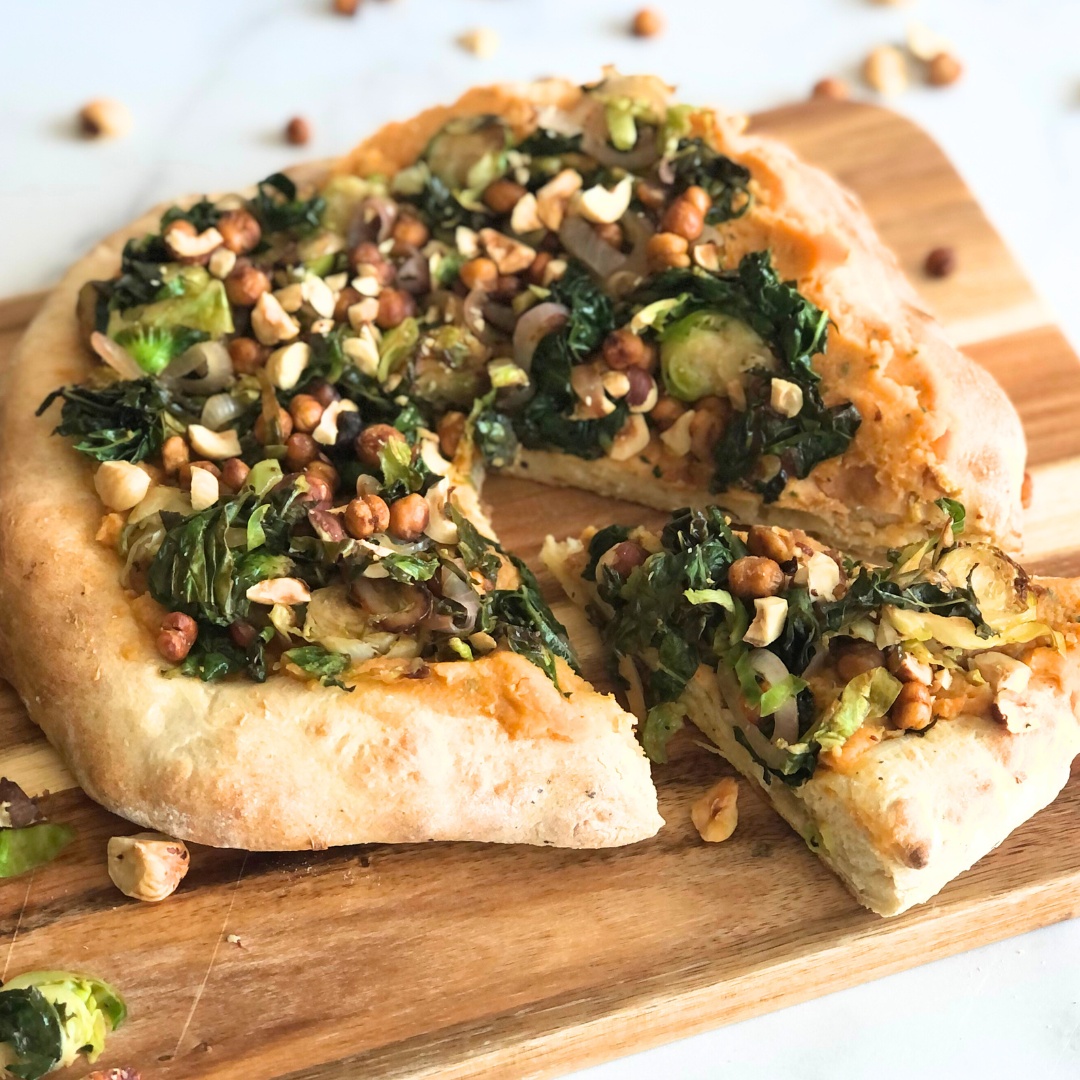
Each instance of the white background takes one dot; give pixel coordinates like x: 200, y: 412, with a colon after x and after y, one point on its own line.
x: 211, y: 83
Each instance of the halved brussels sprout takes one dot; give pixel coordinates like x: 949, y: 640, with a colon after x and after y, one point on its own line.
x: 702, y: 353
x: 466, y: 148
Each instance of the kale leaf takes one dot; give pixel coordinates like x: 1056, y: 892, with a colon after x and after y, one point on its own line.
x: 215, y: 655
x: 278, y: 209
x: 545, y: 143
x: 202, y: 215
x: 695, y: 163
x: 121, y: 421
x: 319, y: 662
x: 30, y: 1025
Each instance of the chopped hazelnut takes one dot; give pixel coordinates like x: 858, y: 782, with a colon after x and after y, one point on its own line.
x: 885, y: 70
x: 716, y: 813
x: 482, y: 42
x: 147, y: 866
x: 105, y: 118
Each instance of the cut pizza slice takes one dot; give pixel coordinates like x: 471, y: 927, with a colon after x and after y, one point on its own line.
x: 663, y: 307
x: 904, y: 718
x: 260, y: 609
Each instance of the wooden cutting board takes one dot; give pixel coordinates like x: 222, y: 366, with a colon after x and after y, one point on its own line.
x: 463, y: 960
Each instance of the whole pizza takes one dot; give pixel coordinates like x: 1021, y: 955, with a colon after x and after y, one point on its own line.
x: 251, y: 594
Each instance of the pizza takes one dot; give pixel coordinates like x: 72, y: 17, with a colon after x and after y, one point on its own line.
x: 248, y: 588
x: 903, y: 717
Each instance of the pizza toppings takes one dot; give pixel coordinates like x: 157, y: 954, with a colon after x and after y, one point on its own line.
x: 810, y: 648
x: 49, y: 1018
x: 27, y: 840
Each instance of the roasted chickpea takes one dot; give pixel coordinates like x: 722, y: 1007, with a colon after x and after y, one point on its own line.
x: 913, y: 708
x: 668, y: 250
x: 753, y: 577
x: 699, y: 198
x: 395, y: 306
x: 247, y: 355
x: 611, y: 234
x: 306, y: 413
x: 411, y: 231
x: 854, y: 658
x: 666, y: 411
x: 284, y: 424
x: 372, y: 439
x: 478, y: 273
x: 770, y: 542
x: 683, y: 218
x: 535, y: 274
x: 451, y: 428
x: 243, y: 634
x: 324, y: 471
x: 173, y: 646
x: 409, y: 517
x: 234, y: 473
x: 239, y: 230
x: 300, y: 451
x: 246, y: 284
x: 346, y: 298
x: 366, y: 515
x: 501, y: 196
x: 174, y: 453
x: 623, y: 349
x: 183, y: 624
x: 367, y: 260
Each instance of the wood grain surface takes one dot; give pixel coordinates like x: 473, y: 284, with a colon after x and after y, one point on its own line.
x: 466, y: 960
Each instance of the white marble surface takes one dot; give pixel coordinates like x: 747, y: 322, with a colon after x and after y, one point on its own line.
x: 211, y: 83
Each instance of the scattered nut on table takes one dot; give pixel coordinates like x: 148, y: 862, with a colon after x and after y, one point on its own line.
x: 482, y: 42
x: 716, y: 813
x: 831, y: 88
x: 944, y: 69
x: 648, y: 22
x: 105, y: 118
x: 147, y: 866
x: 298, y: 132
x: 885, y: 70
x: 940, y: 262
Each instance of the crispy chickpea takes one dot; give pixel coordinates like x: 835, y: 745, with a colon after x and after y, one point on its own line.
x: 913, y: 708
x: 699, y: 198
x: 666, y: 411
x: 239, y: 230
x: 234, y: 473
x: 346, y: 298
x: 183, y: 624
x: 367, y: 260
x: 395, y: 306
x: 411, y: 231
x: 366, y: 515
x: 284, y: 424
x: 325, y: 393
x: 622, y: 558
x: 409, y: 517
x: 174, y: 453
x: 478, y: 273
x: 324, y: 471
x: 173, y: 646
x: 770, y: 543
x: 247, y: 355
x: 535, y: 274
x: 753, y: 577
x: 611, y: 234
x: 706, y: 426
x: 243, y: 634
x: 854, y: 658
x: 623, y: 349
x: 683, y: 218
x: 668, y: 250
x: 372, y: 439
x: 501, y: 196
x: 246, y: 284
x: 306, y: 412
x: 300, y: 451
x: 451, y: 428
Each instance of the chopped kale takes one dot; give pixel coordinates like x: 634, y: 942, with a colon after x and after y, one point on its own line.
x: 320, y: 663
x: 695, y: 163
x: 278, y: 209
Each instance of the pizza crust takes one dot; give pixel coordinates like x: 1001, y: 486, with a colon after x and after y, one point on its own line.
x: 934, y: 423
x: 484, y: 751
x: 915, y: 811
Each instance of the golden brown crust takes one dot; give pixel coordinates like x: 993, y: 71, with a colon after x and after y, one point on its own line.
x: 483, y: 751
x: 915, y: 811
x: 934, y: 423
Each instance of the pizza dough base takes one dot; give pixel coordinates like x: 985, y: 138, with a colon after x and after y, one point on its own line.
x: 934, y: 423
x: 915, y: 811
x: 483, y: 751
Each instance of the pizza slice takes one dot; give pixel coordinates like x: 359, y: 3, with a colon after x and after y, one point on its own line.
x: 253, y: 605
x: 678, y: 309
x: 904, y: 717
